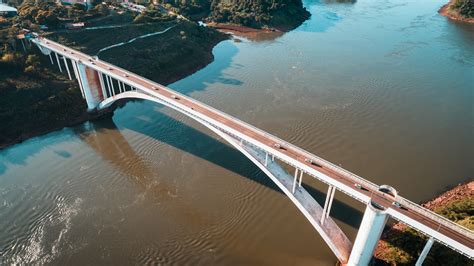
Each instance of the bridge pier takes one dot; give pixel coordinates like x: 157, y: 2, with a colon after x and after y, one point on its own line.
x: 90, y: 82
x: 425, y: 252
x: 67, y: 68
x: 59, y: 63
x: 294, y: 180
x: 51, y: 58
x: 368, y: 235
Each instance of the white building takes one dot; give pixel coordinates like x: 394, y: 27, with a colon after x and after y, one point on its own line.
x: 7, y: 11
x: 87, y: 3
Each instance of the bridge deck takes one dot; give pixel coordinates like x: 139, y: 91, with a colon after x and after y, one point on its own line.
x: 414, y: 215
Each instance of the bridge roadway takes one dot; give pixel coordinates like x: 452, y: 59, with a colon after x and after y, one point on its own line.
x: 429, y: 223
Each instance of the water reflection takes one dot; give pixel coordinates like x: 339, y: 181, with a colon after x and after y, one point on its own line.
x: 214, y: 72
x: 19, y: 154
x: 108, y: 142
x: 324, y: 14
x: 205, y: 146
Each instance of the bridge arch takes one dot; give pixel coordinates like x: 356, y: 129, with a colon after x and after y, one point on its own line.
x: 339, y: 245
x: 96, y: 81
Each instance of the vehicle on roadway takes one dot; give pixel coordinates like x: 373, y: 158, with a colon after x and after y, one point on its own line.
x: 399, y: 205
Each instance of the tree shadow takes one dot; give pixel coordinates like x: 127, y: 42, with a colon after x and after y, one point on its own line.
x: 213, y: 73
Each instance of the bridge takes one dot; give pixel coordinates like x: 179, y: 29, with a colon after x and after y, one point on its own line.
x: 102, y: 84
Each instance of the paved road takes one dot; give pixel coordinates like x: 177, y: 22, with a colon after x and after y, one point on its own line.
x: 380, y: 198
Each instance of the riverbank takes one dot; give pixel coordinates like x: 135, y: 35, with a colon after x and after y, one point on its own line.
x: 449, y: 10
x: 238, y: 28
x: 401, y: 245
x: 45, y: 101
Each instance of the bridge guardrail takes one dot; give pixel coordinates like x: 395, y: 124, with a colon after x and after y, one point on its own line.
x: 323, y: 162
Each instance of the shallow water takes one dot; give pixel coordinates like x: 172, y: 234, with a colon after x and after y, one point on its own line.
x: 383, y: 88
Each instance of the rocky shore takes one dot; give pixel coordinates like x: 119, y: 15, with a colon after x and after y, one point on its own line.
x: 401, y: 245
x: 453, y: 13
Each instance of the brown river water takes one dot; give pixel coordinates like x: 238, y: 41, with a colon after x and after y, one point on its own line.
x: 383, y: 88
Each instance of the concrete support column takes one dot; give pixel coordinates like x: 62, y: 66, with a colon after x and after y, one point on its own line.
x: 301, y: 178
x: 294, y: 180
x: 112, y: 85
x: 91, y: 86
x: 102, y: 85
x: 121, y: 86
x: 425, y: 252
x: 59, y: 64
x: 328, y: 203
x: 108, y: 86
x: 76, y: 73
x: 67, y: 68
x: 51, y: 58
x: 368, y: 235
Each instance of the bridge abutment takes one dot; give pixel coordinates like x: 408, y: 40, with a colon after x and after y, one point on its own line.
x: 368, y: 235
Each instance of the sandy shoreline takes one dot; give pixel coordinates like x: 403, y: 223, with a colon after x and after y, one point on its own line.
x: 447, y: 12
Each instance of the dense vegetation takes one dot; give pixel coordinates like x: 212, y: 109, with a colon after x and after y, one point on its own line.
x: 51, y: 14
x: 164, y: 58
x: 285, y: 14
x: 44, y: 99
x: 34, y: 99
x: 464, y: 7
x: 153, y: 14
x: 403, y: 244
x: 282, y: 14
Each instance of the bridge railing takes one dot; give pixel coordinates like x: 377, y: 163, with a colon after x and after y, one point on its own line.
x: 435, y: 217
x: 347, y: 174
x: 328, y: 165
x: 355, y: 178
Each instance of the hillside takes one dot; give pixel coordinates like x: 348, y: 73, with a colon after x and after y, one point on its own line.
x: 280, y: 14
x: 462, y: 10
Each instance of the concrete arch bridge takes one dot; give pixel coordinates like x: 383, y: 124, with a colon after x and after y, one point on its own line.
x: 102, y: 84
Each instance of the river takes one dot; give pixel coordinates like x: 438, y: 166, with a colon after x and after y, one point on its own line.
x: 383, y: 88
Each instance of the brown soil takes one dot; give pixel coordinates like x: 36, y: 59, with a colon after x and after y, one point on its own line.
x: 461, y: 191
x: 448, y: 12
x: 238, y: 28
